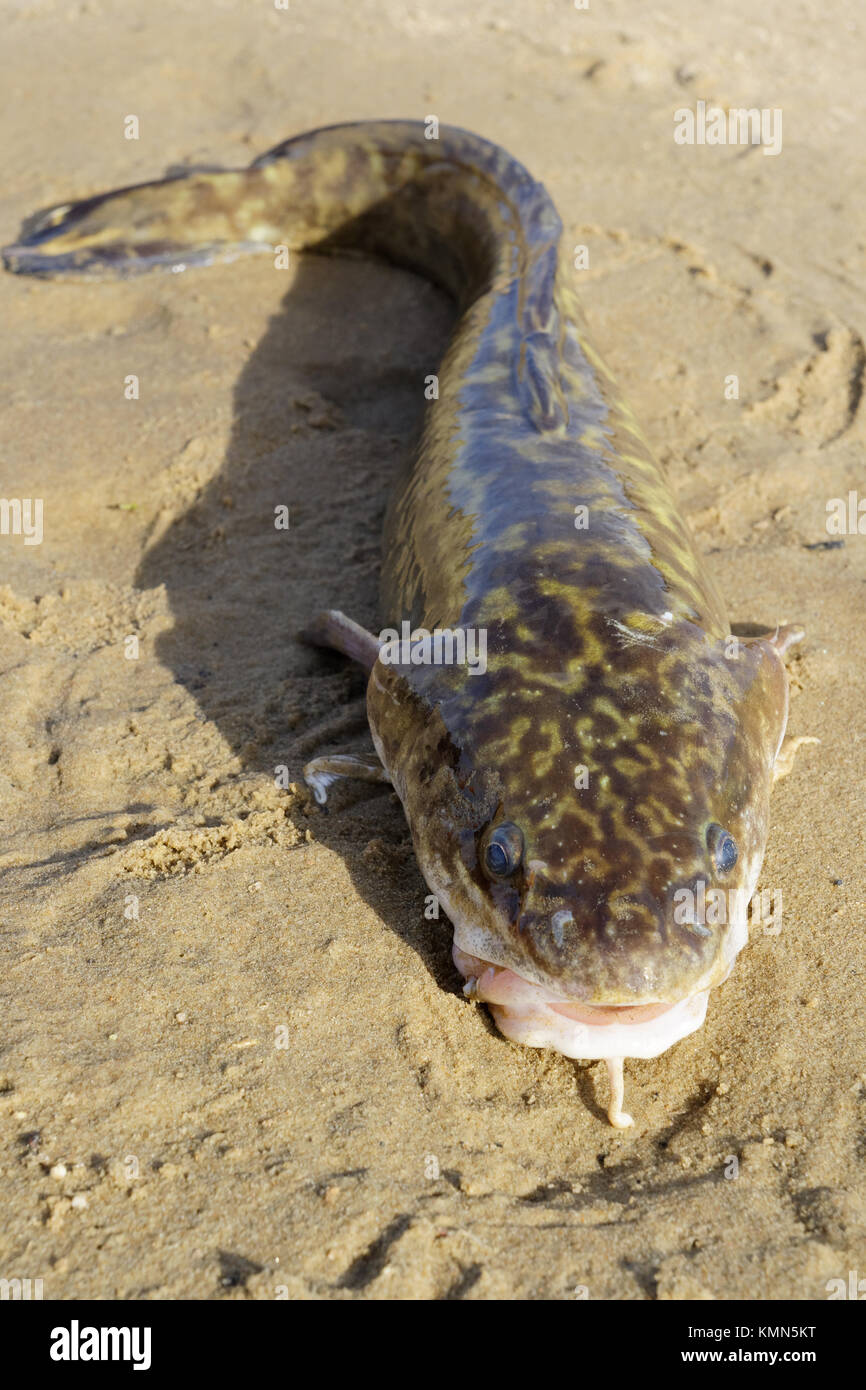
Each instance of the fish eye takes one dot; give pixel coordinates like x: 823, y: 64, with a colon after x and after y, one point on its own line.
x: 503, y: 851
x: 723, y: 848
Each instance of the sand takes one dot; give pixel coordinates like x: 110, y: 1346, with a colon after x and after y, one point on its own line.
x: 236, y: 1061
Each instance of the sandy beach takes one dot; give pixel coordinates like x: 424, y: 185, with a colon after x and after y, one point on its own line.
x: 235, y: 1058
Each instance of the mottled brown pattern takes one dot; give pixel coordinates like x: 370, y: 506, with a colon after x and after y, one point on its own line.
x: 606, y: 645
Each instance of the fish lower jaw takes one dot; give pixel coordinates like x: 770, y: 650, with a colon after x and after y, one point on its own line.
x: 525, y: 1013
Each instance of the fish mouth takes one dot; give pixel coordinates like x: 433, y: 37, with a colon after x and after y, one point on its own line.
x: 529, y: 1014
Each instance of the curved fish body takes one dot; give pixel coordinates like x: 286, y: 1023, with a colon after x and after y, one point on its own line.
x: 583, y: 751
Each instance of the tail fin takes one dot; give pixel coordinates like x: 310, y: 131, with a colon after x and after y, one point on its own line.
x: 463, y: 210
x: 176, y: 222
x: 456, y: 208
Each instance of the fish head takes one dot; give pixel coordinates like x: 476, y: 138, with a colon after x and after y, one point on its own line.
x: 597, y: 833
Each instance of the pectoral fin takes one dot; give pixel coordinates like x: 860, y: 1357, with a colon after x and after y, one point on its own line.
x: 333, y: 629
x: 780, y: 641
x: 321, y: 772
x: 785, y: 637
x: 787, y: 753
